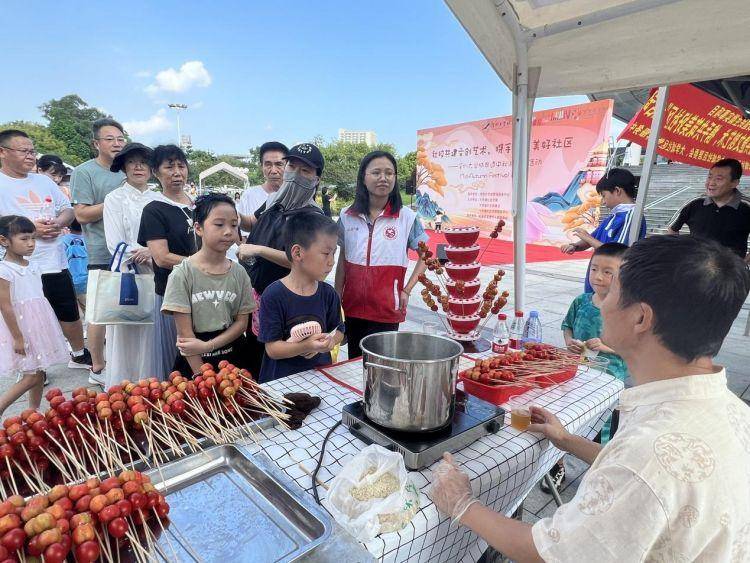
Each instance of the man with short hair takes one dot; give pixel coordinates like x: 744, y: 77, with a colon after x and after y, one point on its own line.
x: 674, y: 482
x: 723, y: 214
x: 89, y: 185
x: 37, y: 197
x: 271, y: 156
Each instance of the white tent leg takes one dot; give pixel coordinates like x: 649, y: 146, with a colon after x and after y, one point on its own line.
x: 648, y: 162
x: 522, y: 110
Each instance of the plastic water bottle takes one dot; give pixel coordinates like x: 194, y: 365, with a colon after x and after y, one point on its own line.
x: 516, y: 331
x: 532, y: 330
x: 47, y: 210
x: 501, y: 335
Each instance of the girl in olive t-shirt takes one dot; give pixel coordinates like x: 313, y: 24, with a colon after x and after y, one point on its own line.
x: 209, y: 295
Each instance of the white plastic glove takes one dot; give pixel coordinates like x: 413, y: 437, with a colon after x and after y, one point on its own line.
x: 451, y: 490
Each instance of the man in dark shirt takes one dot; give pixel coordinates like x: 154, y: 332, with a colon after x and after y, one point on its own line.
x: 723, y: 214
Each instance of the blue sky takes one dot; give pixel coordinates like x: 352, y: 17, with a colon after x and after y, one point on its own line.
x: 256, y: 70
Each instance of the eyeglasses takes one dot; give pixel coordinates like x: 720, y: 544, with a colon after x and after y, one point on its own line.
x: 112, y: 139
x: 26, y: 152
x: 377, y: 173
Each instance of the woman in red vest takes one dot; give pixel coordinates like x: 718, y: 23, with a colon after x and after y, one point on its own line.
x: 375, y: 233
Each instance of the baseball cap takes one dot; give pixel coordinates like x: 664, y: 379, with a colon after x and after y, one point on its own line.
x: 119, y: 161
x: 309, y: 154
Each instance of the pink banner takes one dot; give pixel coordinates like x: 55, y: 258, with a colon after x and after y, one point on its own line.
x: 464, y: 171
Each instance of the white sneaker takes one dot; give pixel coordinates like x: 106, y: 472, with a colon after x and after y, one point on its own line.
x: 96, y: 378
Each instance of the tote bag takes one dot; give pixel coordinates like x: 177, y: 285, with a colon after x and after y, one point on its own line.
x: 114, y: 297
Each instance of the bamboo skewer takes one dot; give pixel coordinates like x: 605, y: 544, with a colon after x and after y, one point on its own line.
x: 39, y: 481
x: 166, y: 535
x: 185, y: 543
x: 82, y: 471
x: 29, y: 482
x: 106, y: 548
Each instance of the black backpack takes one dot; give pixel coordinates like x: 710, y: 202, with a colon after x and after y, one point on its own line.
x: 269, y: 231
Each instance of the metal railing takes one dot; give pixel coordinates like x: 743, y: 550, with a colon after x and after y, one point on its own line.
x: 668, y: 196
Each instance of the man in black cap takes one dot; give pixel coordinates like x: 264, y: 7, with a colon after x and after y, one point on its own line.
x: 263, y: 256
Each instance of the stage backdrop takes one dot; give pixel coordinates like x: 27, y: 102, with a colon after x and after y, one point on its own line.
x: 464, y: 171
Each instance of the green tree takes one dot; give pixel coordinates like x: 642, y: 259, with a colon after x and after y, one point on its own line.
x: 342, y: 163
x: 407, y: 165
x: 255, y: 172
x: 44, y: 141
x: 69, y: 120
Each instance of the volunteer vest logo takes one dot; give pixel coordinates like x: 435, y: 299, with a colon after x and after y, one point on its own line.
x: 214, y: 296
x: 390, y: 233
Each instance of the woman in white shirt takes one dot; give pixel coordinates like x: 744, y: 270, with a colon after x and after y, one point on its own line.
x: 129, y: 347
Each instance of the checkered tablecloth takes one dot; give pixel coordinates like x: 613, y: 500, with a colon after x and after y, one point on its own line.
x: 503, y: 467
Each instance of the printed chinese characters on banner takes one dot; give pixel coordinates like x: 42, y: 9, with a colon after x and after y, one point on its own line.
x: 465, y: 172
x: 698, y: 128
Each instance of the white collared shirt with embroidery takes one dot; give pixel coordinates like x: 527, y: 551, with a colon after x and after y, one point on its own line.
x: 672, y: 485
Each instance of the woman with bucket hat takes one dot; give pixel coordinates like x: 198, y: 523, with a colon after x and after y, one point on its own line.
x: 129, y: 347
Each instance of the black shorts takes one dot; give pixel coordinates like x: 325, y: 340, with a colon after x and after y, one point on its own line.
x: 59, y: 291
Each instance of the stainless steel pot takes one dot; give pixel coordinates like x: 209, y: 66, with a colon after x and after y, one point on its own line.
x: 410, y: 379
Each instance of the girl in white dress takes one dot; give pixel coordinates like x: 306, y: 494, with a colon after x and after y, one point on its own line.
x: 129, y: 347
x: 30, y: 337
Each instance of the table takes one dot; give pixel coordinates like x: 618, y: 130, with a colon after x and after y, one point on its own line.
x: 503, y: 467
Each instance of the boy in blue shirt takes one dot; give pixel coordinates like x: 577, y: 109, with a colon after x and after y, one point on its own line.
x: 582, y: 328
x: 618, y: 190
x: 302, y: 296
x: 78, y: 261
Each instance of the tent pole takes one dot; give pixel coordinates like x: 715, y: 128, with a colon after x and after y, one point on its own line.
x: 649, y: 161
x: 518, y: 208
x: 522, y: 112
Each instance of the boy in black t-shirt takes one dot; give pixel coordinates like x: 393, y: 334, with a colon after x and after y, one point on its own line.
x: 301, y: 297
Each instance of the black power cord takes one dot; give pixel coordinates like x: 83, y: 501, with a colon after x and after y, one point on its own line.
x: 314, y: 476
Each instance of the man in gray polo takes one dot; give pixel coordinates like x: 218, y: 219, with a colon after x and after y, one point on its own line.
x: 89, y: 185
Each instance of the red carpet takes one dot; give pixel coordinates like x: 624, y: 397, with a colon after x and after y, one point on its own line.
x: 501, y: 251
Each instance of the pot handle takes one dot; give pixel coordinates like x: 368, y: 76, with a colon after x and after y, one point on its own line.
x: 371, y: 365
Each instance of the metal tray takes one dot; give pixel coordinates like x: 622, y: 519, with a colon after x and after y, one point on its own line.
x: 228, y: 505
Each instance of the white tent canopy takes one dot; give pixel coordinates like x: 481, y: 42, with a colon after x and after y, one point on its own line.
x: 590, y: 46
x: 239, y: 173
x: 563, y: 47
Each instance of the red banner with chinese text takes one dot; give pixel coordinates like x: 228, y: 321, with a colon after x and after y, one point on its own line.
x: 697, y: 129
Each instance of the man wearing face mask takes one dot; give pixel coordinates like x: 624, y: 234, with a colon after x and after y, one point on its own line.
x: 264, y: 255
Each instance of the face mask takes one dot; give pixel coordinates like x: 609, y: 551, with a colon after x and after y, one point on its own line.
x: 296, y: 191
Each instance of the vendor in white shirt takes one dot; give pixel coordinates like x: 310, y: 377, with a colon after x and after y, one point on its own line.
x: 129, y: 347
x: 272, y: 163
x: 674, y: 482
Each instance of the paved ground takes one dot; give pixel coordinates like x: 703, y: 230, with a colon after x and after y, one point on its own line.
x: 551, y: 286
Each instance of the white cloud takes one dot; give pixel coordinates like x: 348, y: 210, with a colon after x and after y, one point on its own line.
x: 196, y: 105
x: 268, y: 127
x: 192, y: 73
x: 143, y: 74
x: 157, y: 123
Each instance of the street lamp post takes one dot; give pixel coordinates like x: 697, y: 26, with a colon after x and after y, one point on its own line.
x: 177, y: 108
